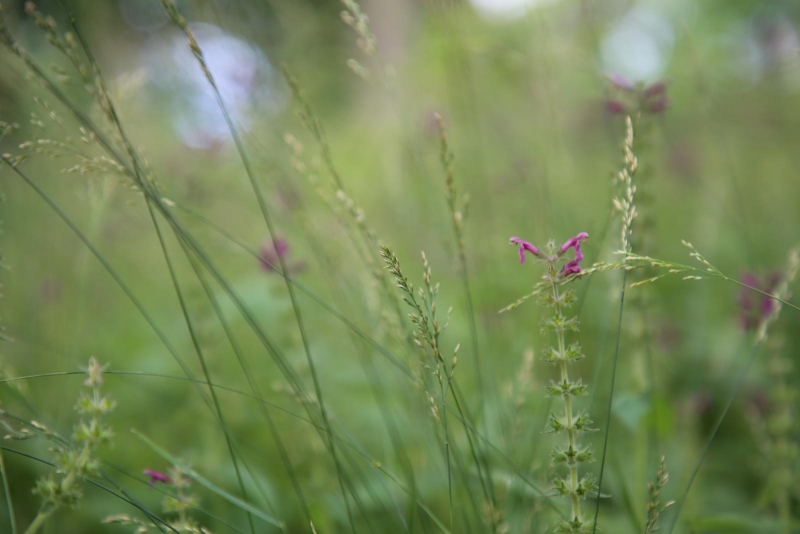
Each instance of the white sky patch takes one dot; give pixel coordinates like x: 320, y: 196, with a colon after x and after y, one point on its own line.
x: 639, y: 47
x: 247, y: 82
x: 507, y: 9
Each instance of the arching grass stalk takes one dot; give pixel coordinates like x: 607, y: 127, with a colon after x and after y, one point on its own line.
x: 458, y: 208
x: 554, y: 293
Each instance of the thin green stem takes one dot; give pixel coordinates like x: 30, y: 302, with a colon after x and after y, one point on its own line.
x: 40, y: 519
x: 12, y: 519
x: 610, y: 400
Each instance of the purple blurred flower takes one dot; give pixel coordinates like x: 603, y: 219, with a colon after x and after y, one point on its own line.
x: 523, y: 246
x: 156, y: 476
x: 270, y: 251
x: 620, y: 82
x: 655, y: 89
x: 616, y: 107
x: 271, y: 262
x: 629, y: 96
x: 754, y: 307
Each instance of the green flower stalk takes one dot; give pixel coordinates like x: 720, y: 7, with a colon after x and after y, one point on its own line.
x: 62, y: 489
x: 555, y: 294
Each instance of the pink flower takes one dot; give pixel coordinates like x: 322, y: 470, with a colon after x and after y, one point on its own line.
x: 657, y: 105
x: 574, y: 242
x: 655, y: 89
x: 620, y: 82
x: 156, y: 476
x: 629, y: 97
x: 523, y: 246
x: 615, y: 107
x: 573, y: 266
x: 269, y: 253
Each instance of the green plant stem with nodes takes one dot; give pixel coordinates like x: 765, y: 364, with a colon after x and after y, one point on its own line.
x: 574, y: 487
x: 72, y: 463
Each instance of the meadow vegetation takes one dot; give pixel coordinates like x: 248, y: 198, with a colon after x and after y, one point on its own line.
x: 421, y: 266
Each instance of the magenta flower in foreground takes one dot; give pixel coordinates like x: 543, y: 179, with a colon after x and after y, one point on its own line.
x: 156, y: 476
x: 523, y: 246
x: 575, y: 243
x: 571, y: 267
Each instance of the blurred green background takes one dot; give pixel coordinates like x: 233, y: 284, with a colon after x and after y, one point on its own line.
x: 523, y: 88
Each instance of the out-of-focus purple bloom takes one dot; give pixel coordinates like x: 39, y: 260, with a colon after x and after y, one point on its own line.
x: 269, y: 257
x: 657, y: 106
x: 615, y: 107
x: 156, y: 476
x: 270, y: 251
x: 523, y: 246
x: 655, y: 89
x: 630, y: 97
x: 620, y: 82
x: 754, y: 307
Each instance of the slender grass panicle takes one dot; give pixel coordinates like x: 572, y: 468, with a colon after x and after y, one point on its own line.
x: 428, y: 329
x: 654, y: 506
